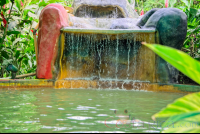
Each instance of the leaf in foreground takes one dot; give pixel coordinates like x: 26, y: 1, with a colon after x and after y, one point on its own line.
x: 186, y: 104
x: 184, y: 113
x: 180, y: 60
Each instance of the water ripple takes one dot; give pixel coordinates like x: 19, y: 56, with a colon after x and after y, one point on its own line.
x: 79, y: 118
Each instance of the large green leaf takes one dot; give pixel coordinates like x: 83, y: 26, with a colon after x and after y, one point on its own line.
x: 186, y: 104
x: 187, y: 125
x: 13, y: 32
x: 184, y: 113
x: 179, y: 117
x: 180, y: 60
x: 179, y: 129
x: 18, y: 4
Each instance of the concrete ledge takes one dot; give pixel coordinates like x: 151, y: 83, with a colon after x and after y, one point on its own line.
x: 24, y: 84
x: 106, y: 31
x: 95, y: 84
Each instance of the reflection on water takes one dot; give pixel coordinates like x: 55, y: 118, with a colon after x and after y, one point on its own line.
x: 81, y: 110
x: 16, y: 110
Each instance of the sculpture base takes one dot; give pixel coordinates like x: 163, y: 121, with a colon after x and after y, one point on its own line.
x: 96, y: 84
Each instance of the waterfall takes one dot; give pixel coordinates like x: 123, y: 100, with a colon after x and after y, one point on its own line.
x: 108, y: 58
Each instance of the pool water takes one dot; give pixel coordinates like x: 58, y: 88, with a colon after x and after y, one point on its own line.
x: 81, y: 110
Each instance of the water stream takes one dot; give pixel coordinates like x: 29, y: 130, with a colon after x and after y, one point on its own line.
x: 102, y: 57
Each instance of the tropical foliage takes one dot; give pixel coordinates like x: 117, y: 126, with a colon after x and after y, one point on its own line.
x: 184, y: 113
x: 179, y: 60
x: 18, y: 17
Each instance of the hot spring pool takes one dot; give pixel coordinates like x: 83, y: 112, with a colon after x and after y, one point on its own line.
x: 81, y: 110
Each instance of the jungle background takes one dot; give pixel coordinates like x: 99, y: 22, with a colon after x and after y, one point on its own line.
x: 19, y: 17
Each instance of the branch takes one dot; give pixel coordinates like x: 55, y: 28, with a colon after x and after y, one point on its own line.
x: 0, y: 9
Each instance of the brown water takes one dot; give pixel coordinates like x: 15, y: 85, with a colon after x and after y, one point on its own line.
x: 81, y: 110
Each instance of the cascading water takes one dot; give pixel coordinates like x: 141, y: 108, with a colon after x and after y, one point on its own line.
x: 100, y: 57
x: 102, y: 45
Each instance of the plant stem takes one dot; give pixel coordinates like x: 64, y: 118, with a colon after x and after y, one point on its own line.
x: 0, y: 40
x: 1, y: 59
x: 1, y: 8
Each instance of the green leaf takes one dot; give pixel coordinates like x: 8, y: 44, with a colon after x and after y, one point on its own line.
x: 30, y: 63
x: 187, y: 125
x: 172, y: 2
x: 182, y: 129
x: 12, y: 32
x: 26, y: 61
x: 184, y: 113
x: 2, y: 2
x: 186, y: 104
x: 6, y: 62
x: 18, y: 4
x: 16, y: 40
x: 179, y: 117
x: 193, y: 11
x: 12, y: 25
x: 186, y: 2
x: 32, y: 15
x: 70, y: 5
x: 20, y: 59
x: 4, y: 54
x: 43, y: 3
x: 31, y: 7
x: 191, y: 26
x: 17, y: 54
x: 180, y: 60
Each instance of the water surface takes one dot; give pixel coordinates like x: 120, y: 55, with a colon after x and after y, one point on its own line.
x: 81, y: 110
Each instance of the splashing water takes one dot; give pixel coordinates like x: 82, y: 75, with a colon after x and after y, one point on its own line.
x: 100, y: 57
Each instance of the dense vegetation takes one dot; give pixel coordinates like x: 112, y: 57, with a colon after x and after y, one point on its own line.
x: 18, y: 17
